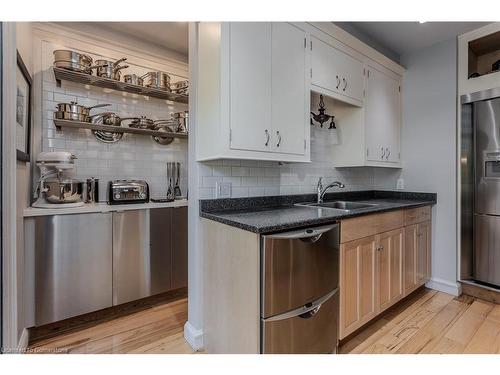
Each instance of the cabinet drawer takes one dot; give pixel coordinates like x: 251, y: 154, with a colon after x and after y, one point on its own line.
x: 359, y: 227
x: 417, y: 215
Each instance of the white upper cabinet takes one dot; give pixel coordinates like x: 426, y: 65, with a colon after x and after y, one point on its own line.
x: 250, y: 89
x: 290, y: 97
x: 335, y: 73
x: 253, y: 97
x: 382, y: 117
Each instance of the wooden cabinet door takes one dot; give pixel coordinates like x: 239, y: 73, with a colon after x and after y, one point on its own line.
x: 382, y: 117
x: 290, y: 113
x: 410, y: 262
x: 423, y: 252
x: 390, y: 272
x: 250, y: 86
x: 358, y: 284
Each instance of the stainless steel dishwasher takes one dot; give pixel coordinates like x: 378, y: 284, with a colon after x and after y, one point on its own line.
x: 299, y: 296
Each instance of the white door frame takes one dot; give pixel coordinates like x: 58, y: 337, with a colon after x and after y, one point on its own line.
x: 9, y: 263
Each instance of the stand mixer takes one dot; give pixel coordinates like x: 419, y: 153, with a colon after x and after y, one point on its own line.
x: 55, y: 189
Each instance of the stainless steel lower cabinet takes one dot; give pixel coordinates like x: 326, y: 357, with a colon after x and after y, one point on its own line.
x: 149, y: 252
x: 73, y: 255
x: 307, y: 330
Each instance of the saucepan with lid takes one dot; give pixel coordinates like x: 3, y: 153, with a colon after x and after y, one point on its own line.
x: 158, y: 80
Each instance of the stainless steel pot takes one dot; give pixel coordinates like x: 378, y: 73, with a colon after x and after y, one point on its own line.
x: 141, y: 122
x: 110, y: 69
x: 62, y: 191
x: 133, y: 79
x: 74, y: 111
x: 163, y: 140
x: 158, y: 80
x: 107, y: 118
x: 73, y: 60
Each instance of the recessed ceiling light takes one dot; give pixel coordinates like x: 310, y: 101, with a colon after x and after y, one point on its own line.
x: 422, y: 21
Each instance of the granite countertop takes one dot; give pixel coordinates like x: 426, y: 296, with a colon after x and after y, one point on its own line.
x: 275, y: 214
x: 100, y: 207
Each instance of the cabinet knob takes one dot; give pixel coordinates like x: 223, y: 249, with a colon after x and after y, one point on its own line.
x: 268, y: 137
x: 388, y: 153
x: 383, y: 152
x: 279, y: 138
x: 338, y: 82
x: 345, y: 84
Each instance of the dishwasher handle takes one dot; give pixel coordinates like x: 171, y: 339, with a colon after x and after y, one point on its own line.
x: 305, y: 312
x: 309, y: 234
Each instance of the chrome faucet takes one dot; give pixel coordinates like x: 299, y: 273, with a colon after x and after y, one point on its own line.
x: 322, y: 191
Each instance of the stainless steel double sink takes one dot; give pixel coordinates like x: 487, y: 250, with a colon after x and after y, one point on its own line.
x: 345, y: 206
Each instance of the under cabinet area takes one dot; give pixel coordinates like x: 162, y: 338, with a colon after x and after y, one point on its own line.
x: 90, y: 261
x: 383, y: 258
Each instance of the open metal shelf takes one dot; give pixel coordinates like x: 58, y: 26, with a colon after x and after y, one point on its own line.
x: 115, y: 129
x: 87, y: 79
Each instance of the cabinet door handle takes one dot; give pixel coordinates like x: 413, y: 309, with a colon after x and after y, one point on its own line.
x: 338, y: 82
x: 345, y: 84
x: 383, y: 153
x: 279, y: 138
x: 268, y: 137
x: 387, y: 154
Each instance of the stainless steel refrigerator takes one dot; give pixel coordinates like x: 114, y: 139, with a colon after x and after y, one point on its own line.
x: 486, y: 220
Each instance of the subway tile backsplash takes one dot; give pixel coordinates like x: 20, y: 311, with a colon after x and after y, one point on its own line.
x: 260, y: 178
x: 134, y: 157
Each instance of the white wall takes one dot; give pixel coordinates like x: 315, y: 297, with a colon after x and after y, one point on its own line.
x: 429, y: 148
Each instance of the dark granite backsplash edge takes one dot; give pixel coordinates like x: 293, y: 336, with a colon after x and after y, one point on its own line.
x: 235, y: 204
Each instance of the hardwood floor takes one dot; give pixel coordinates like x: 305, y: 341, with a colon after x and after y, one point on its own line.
x: 427, y: 322
x: 432, y: 322
x: 155, y: 330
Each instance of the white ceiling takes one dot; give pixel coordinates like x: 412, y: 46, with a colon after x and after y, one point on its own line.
x: 405, y: 37
x: 169, y: 35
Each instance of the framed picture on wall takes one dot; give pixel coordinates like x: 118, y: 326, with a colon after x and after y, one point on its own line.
x: 23, y: 110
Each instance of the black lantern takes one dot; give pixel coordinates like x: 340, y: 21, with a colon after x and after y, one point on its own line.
x: 322, y: 117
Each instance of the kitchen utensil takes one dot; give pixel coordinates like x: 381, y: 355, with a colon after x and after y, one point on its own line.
x: 75, y: 108
x: 128, y: 191
x: 171, y: 175
x: 182, y: 121
x: 177, y: 188
x: 73, y: 60
x: 62, y: 191
x: 163, y: 140
x: 158, y: 80
x: 107, y: 118
x: 110, y: 69
x: 92, y: 190
x: 133, y: 79
x: 180, y: 87
x: 141, y: 122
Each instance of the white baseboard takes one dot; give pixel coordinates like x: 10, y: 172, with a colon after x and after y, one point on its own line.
x: 453, y: 288
x: 193, y: 336
x: 23, y: 341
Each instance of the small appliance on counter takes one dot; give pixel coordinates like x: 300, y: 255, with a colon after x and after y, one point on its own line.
x: 128, y: 192
x: 55, y: 188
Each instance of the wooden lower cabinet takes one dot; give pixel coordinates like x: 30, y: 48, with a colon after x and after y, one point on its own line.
x: 377, y: 271
x: 358, y: 260
x: 390, y: 273
x: 417, y: 249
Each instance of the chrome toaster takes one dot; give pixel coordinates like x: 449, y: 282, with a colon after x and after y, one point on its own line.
x: 128, y: 191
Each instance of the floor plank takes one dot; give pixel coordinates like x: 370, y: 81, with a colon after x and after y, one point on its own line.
x: 425, y: 322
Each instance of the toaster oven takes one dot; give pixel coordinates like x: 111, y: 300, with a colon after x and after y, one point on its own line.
x: 128, y: 191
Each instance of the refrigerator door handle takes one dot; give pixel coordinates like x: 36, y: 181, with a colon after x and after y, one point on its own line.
x: 306, y: 311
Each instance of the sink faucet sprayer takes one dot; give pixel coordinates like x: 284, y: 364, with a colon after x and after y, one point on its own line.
x: 322, y: 191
